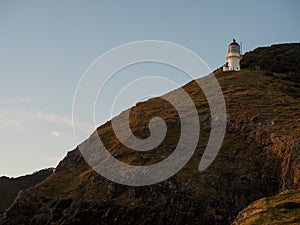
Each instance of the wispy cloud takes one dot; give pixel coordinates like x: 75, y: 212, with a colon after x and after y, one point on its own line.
x: 15, y: 117
x: 9, y: 119
x: 12, y: 123
x: 63, y: 120
x: 16, y: 101
x: 55, y: 133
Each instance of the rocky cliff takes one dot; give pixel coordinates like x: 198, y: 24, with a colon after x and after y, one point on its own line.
x: 259, y: 158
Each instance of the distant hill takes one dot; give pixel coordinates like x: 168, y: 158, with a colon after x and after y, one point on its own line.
x: 259, y: 158
x: 9, y: 187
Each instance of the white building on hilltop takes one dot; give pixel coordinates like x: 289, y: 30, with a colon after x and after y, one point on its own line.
x: 233, y: 57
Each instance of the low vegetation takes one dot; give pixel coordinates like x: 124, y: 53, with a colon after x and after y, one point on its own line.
x: 277, y: 210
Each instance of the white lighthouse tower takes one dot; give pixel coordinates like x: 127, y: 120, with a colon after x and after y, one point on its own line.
x: 233, y: 57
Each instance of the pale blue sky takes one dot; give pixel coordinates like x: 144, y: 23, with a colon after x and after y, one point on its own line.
x: 45, y: 46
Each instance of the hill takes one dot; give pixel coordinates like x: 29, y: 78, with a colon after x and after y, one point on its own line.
x: 276, y: 58
x: 259, y: 158
x: 10, y: 187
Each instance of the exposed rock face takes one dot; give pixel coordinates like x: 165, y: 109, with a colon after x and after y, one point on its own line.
x: 285, y: 147
x: 259, y: 157
x: 9, y: 187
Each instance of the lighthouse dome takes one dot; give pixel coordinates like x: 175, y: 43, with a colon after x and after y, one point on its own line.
x: 234, y: 43
x: 234, y: 47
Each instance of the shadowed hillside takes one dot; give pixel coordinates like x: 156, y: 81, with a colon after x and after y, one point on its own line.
x: 259, y: 158
x: 9, y: 187
x: 276, y: 58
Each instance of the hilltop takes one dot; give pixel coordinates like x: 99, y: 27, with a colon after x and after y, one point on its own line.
x: 259, y: 158
x: 277, y: 58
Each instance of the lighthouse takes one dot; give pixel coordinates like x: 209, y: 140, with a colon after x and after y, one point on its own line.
x: 233, y: 57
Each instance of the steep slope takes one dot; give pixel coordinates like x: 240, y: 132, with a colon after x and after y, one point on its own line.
x: 9, y: 187
x: 280, y: 209
x: 259, y: 157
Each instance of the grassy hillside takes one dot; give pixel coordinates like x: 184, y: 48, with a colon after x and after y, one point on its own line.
x: 259, y: 158
x: 280, y: 209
